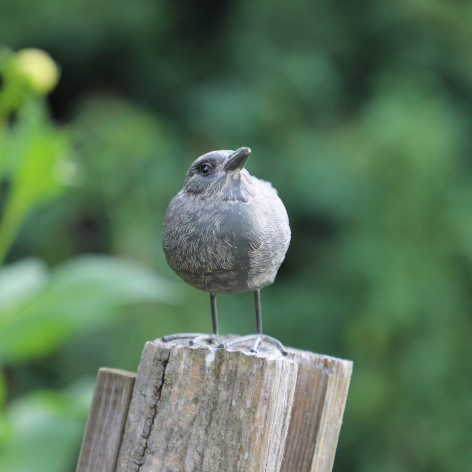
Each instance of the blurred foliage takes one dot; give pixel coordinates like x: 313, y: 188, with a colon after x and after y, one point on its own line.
x: 41, y: 309
x: 359, y: 115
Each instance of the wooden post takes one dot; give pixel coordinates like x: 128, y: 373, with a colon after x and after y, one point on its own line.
x: 106, y: 421
x: 213, y: 410
x: 317, y: 412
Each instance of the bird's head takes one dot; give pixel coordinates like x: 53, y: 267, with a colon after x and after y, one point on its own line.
x: 222, y: 174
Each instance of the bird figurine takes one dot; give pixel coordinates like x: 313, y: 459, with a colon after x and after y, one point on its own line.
x: 226, y: 232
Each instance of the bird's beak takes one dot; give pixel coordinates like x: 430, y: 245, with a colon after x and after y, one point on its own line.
x: 237, y: 159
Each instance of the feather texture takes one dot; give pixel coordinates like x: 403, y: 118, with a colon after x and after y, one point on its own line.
x: 225, y: 231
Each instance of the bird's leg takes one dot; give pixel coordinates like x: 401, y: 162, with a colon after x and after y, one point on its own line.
x: 257, y: 299
x: 214, y: 314
x: 214, y: 337
x: 259, y: 337
x: 214, y: 320
x: 257, y: 302
x: 200, y: 337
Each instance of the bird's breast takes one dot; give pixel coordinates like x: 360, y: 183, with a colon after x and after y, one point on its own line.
x: 222, y: 246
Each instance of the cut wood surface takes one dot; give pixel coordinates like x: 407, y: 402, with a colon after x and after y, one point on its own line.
x: 203, y: 409
x: 207, y: 409
x: 107, y: 417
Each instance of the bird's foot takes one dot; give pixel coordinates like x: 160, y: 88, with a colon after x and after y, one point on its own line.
x: 195, y: 338
x: 256, y: 340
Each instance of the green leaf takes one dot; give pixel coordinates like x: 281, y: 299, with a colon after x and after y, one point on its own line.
x: 110, y: 278
x: 20, y: 281
x: 34, y: 149
x: 80, y: 294
x: 48, y: 426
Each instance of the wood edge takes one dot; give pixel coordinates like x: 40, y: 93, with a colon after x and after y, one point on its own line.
x: 339, y: 378
x: 105, y: 375
x: 314, y: 388
x: 153, y: 364
x: 116, y: 372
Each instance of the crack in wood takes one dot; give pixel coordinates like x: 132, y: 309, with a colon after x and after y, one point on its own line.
x: 157, y: 390
x: 239, y: 412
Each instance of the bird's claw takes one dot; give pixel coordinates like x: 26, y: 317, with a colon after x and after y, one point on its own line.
x: 195, y: 338
x: 257, y: 339
x: 212, y: 339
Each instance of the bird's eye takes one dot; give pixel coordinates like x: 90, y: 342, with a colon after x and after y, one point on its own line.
x: 205, y: 169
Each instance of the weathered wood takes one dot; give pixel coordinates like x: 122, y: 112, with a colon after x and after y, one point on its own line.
x: 316, y: 416
x: 201, y: 409
x: 105, y: 424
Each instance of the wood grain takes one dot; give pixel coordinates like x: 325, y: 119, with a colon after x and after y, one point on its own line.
x: 106, y: 420
x: 318, y: 408
x: 202, y: 409
x: 213, y: 410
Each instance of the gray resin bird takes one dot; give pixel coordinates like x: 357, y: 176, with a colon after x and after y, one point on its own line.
x: 226, y: 232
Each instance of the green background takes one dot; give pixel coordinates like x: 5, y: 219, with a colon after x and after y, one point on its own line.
x: 359, y: 113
